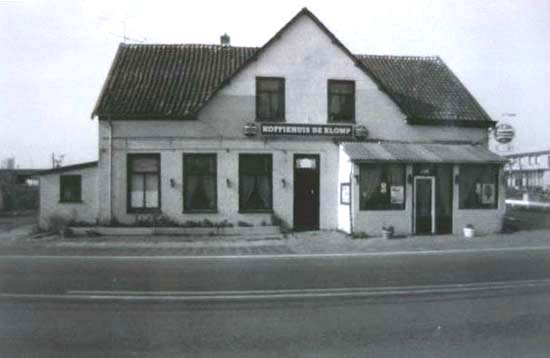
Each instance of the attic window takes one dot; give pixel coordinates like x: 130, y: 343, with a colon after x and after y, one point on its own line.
x: 341, y: 101
x: 270, y: 99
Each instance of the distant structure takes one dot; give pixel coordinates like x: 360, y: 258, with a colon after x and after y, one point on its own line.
x: 8, y: 163
x: 528, y: 170
x: 18, y: 189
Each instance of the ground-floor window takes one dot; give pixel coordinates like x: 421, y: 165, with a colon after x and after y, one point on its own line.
x: 255, y: 182
x: 143, y: 182
x: 70, y: 188
x: 478, y: 186
x: 382, y: 187
x: 199, y: 182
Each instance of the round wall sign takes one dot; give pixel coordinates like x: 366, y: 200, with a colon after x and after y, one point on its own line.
x: 504, y: 133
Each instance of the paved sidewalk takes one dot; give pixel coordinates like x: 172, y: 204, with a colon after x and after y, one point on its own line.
x: 334, y: 242
x: 319, y: 242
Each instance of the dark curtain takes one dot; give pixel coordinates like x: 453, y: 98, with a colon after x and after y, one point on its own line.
x: 370, y: 178
x: 444, y: 187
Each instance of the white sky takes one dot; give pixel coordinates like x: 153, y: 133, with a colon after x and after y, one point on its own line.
x: 55, y: 55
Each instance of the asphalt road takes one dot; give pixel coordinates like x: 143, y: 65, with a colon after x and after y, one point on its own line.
x: 58, y: 275
x: 501, y: 326
x: 502, y: 323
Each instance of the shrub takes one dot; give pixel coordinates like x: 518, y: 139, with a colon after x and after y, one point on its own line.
x: 276, y: 220
x: 57, y: 223
x: 359, y: 235
x: 244, y: 224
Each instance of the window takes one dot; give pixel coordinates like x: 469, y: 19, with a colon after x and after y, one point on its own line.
x: 478, y: 187
x: 70, y: 188
x: 255, y: 182
x: 341, y: 101
x: 199, y: 181
x: 143, y: 182
x: 270, y: 99
x: 382, y: 187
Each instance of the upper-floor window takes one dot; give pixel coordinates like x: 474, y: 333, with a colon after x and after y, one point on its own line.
x: 270, y: 99
x: 341, y: 101
x: 143, y: 182
x: 70, y: 188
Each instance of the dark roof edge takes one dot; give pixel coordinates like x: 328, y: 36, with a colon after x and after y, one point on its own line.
x: 107, y: 80
x: 69, y: 167
x: 452, y: 122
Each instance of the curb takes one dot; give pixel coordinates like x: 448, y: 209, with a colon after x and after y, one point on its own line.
x: 296, y: 255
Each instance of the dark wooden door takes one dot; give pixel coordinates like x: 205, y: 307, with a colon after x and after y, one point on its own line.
x: 306, y: 192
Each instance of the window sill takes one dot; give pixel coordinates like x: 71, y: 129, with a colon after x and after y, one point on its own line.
x: 144, y: 211
x: 481, y: 208
x: 350, y: 121
x: 256, y: 211
x: 388, y: 209
x: 70, y: 202
x: 270, y: 120
x: 201, y: 211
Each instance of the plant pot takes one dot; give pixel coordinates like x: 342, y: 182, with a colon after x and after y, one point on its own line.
x: 469, y: 232
x: 386, y: 234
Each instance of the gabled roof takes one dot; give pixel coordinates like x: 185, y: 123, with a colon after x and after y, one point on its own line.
x: 176, y: 81
x: 425, y: 89
x: 166, y: 81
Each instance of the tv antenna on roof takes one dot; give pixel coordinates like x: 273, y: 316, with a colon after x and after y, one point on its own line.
x: 126, y: 38
x: 57, y: 160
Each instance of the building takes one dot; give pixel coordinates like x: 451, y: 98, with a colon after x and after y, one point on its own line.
x: 299, y: 131
x: 528, y: 170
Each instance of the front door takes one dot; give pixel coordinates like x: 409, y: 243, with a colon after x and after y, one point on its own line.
x: 424, y: 205
x: 306, y: 192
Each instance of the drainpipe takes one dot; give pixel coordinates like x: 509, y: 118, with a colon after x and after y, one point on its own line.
x: 351, y: 186
x: 110, y: 191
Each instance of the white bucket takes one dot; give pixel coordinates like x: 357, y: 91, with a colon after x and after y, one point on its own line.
x: 469, y: 232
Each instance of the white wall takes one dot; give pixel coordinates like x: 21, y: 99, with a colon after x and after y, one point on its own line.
x: 227, y: 152
x: 344, y: 176
x: 86, y: 211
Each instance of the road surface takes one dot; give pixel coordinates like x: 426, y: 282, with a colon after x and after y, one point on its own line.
x: 485, y: 323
